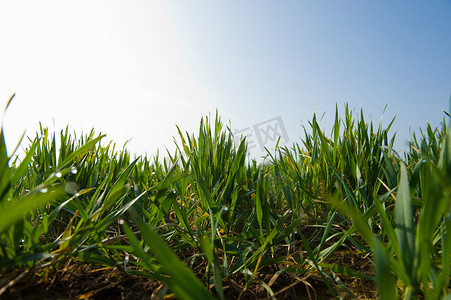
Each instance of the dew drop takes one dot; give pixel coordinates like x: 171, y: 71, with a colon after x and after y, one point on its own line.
x: 43, y: 190
x: 77, y: 194
x: 71, y: 187
x: 73, y: 170
x: 226, y: 208
x: 121, y: 222
x: 58, y: 174
x: 290, y: 211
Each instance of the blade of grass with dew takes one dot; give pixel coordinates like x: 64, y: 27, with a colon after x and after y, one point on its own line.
x: 11, y: 213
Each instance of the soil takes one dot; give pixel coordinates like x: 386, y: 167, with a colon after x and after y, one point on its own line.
x: 81, y: 281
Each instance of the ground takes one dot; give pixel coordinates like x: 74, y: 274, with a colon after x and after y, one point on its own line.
x: 81, y: 281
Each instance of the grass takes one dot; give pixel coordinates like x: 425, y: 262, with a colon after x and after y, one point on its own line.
x: 339, y: 216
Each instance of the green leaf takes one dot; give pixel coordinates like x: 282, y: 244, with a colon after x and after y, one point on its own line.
x: 345, y: 271
x: 5, y: 173
x: 13, y: 212
x: 80, y: 151
x: 119, y: 188
x: 385, y: 281
x: 208, y: 249
x: 405, y: 222
x: 262, y: 206
x: 9, y: 101
x: 181, y: 281
x: 20, y: 171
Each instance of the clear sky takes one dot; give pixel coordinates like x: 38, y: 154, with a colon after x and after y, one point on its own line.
x: 134, y: 69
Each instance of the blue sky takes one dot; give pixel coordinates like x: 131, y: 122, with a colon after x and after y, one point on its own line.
x: 135, y: 69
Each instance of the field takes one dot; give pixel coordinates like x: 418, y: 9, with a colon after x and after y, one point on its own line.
x: 332, y: 216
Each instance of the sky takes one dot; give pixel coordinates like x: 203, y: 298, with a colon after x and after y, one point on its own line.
x: 134, y: 69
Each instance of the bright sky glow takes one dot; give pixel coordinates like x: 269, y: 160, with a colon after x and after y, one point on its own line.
x: 134, y: 69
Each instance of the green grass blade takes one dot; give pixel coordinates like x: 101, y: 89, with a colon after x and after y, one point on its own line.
x: 80, y: 151
x: 345, y: 271
x: 5, y: 173
x: 14, y: 212
x: 385, y: 281
x: 405, y: 223
x: 9, y: 102
x: 119, y: 188
x: 20, y: 171
x: 182, y: 281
